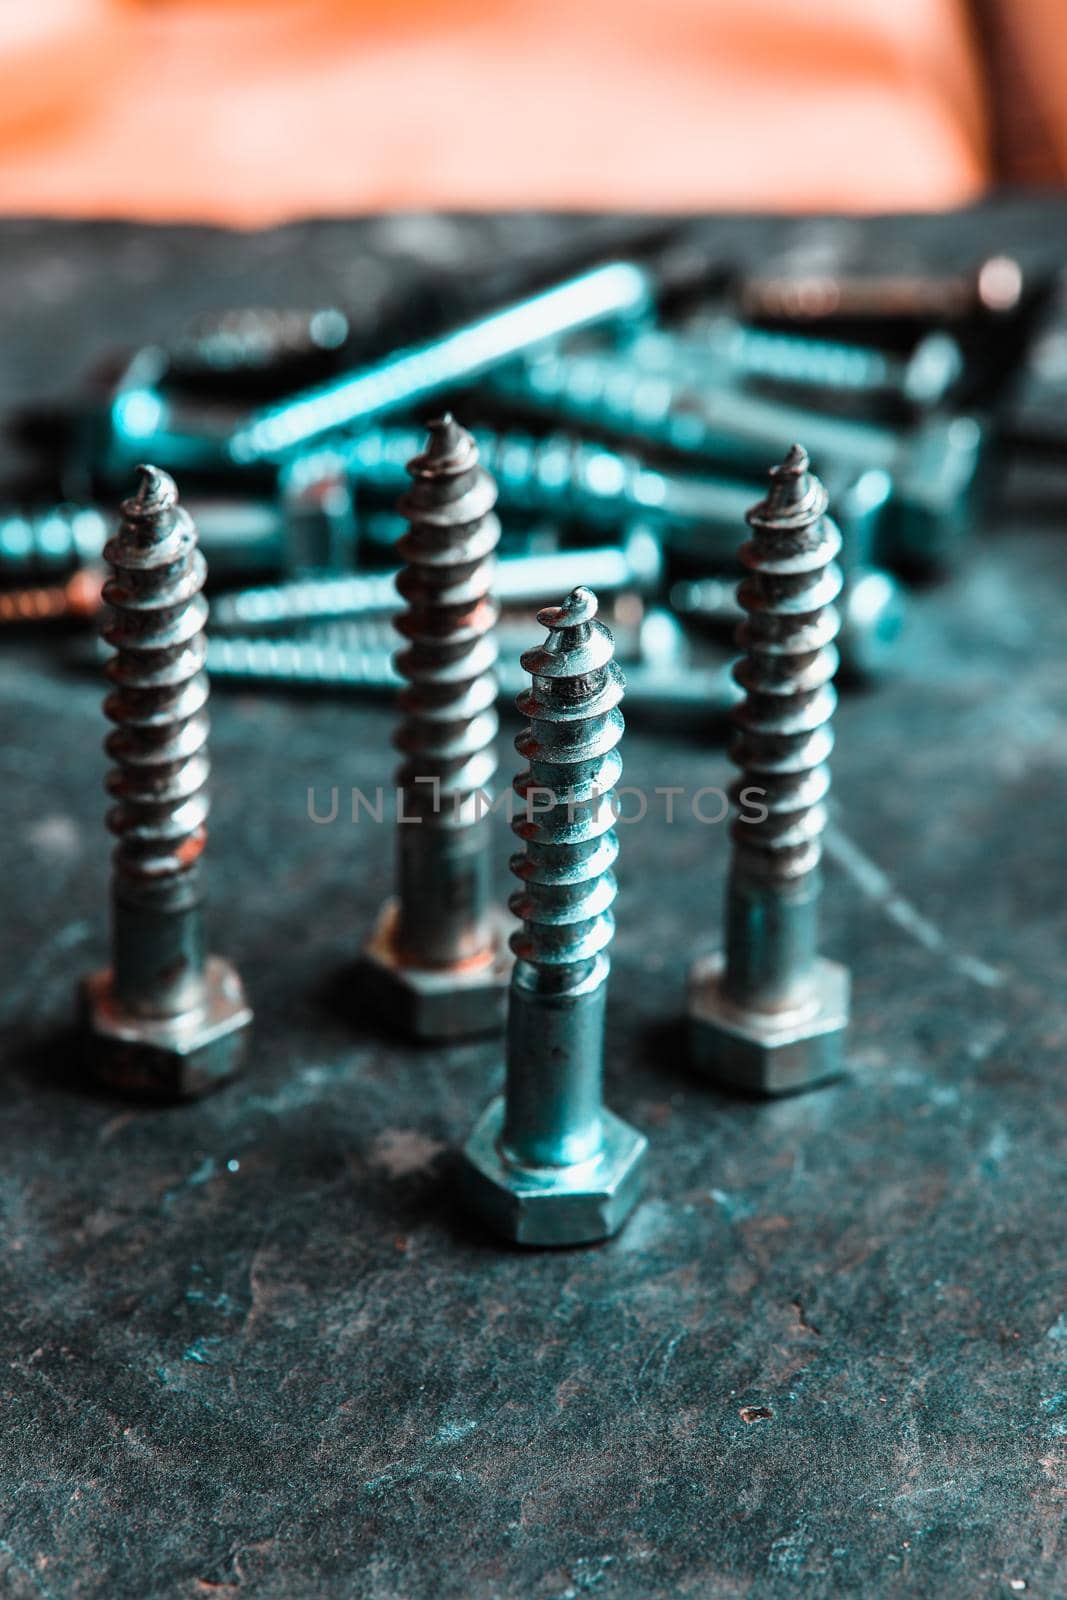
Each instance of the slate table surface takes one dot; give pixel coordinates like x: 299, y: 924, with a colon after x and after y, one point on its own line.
x: 253, y: 1346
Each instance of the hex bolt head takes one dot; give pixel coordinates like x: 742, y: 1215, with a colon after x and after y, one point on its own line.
x: 436, y: 1002
x: 577, y: 1204
x: 765, y: 1053
x: 168, y: 1058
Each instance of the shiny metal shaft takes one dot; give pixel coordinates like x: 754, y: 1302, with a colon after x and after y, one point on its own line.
x: 406, y: 377
x: 519, y: 580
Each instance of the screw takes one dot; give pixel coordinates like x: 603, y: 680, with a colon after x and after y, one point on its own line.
x: 166, y: 1020
x: 53, y: 539
x: 719, y: 349
x: 874, y: 611
x: 702, y: 695
x: 771, y: 1014
x: 519, y: 580
x: 438, y: 953
x: 76, y: 600
x: 994, y: 287
x: 933, y: 465
x: 240, y: 535
x: 255, y: 340
x: 547, y: 1164
x: 616, y: 290
x: 578, y: 480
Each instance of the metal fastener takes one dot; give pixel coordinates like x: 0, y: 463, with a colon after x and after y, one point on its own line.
x: 76, y: 600
x: 437, y: 960
x: 166, y: 1020
x: 725, y: 351
x: 547, y: 1164
x: 616, y: 290
x: 770, y: 1014
x: 637, y: 564
x: 659, y: 691
x: 873, y: 613
x: 933, y: 465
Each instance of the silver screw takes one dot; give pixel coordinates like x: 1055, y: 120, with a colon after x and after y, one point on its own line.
x: 437, y: 957
x: 637, y: 564
x: 166, y: 1020
x: 547, y: 1164
x: 771, y: 1014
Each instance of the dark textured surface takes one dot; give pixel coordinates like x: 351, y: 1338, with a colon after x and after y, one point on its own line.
x: 251, y: 1346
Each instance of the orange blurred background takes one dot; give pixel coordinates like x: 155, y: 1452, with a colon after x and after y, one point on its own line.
x: 252, y: 111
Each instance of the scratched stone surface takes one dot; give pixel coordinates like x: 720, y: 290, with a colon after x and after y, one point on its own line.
x: 253, y: 1346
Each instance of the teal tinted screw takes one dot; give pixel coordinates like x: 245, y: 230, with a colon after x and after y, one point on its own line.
x: 770, y: 1014
x: 722, y: 349
x: 636, y: 564
x: 933, y: 465
x: 548, y: 1164
x: 406, y: 377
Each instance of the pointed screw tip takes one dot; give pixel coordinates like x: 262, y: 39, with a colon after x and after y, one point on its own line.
x: 446, y: 436
x: 580, y: 606
x: 155, y: 490
x: 796, y: 460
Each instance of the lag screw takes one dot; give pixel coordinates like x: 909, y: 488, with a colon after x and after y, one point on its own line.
x: 166, y: 1020
x: 548, y: 1164
x: 719, y: 349
x: 770, y: 1015
x: 933, y: 464
x: 873, y: 613
x: 76, y: 600
x: 617, y: 290
x: 636, y: 565
x: 437, y: 960
x: 664, y: 693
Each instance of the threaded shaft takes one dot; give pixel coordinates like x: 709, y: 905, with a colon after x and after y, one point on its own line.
x: 784, y: 737
x: 567, y: 827
x: 449, y: 705
x: 157, y: 703
x: 783, y: 741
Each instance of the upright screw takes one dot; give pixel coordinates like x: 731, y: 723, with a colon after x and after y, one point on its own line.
x: 771, y: 1015
x: 166, y: 1020
x: 547, y: 1163
x: 438, y: 954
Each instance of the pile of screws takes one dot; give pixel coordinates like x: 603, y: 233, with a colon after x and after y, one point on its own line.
x: 294, y: 435
x: 626, y: 413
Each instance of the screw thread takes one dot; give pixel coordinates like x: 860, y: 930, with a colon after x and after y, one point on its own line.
x: 568, y: 824
x: 784, y: 738
x: 449, y: 705
x: 159, y: 688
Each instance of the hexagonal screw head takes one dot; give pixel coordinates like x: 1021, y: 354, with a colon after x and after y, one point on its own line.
x: 767, y: 1053
x: 168, y: 1058
x: 554, y: 1205
x: 437, y: 1002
